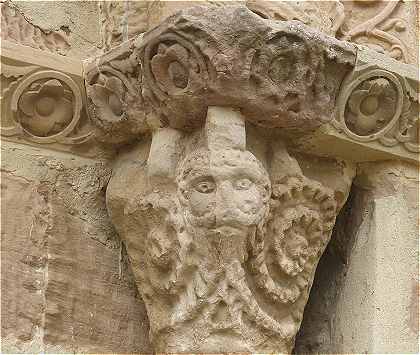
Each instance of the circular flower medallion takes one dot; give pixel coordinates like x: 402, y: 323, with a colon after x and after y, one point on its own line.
x: 46, y: 108
x: 108, y: 96
x: 369, y: 104
x: 173, y: 66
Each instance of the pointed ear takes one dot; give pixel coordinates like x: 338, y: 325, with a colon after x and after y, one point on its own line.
x: 164, y: 156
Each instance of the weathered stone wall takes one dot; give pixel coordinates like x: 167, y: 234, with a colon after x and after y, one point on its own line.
x: 67, y: 27
x: 389, y: 27
x: 67, y: 285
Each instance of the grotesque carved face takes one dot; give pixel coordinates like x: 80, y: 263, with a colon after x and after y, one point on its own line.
x: 224, y: 192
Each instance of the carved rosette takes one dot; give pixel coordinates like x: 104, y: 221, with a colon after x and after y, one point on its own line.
x: 279, y: 76
x: 41, y: 105
x: 173, y: 66
x: 115, y: 102
x: 378, y: 105
x: 175, y: 76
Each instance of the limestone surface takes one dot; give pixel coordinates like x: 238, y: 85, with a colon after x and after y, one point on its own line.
x: 223, y: 239
x: 209, y: 176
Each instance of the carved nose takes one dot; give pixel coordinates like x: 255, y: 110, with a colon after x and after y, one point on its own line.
x: 224, y: 204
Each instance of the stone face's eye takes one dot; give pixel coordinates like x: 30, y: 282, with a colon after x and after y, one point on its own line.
x: 243, y: 184
x: 205, y: 186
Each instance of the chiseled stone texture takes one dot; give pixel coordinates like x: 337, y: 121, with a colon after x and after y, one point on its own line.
x: 379, y: 297
x: 224, y: 229
x: 389, y: 27
x: 66, y: 283
x: 65, y: 27
x: 366, y: 290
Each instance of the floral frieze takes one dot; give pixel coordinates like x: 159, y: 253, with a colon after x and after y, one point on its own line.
x: 282, y: 75
x: 43, y: 100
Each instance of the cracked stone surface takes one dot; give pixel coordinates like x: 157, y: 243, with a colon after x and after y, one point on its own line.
x: 66, y: 283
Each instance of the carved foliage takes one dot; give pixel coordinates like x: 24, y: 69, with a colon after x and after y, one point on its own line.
x: 277, y: 76
x: 115, y: 103
x: 224, y: 250
x: 376, y: 32
x: 377, y: 105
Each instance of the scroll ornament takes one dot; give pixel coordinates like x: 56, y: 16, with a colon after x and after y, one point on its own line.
x: 382, y: 31
x: 224, y: 250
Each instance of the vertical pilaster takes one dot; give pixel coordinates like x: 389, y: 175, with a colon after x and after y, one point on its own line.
x: 377, y: 311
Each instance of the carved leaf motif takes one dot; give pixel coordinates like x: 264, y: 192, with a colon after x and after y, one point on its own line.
x: 375, y: 32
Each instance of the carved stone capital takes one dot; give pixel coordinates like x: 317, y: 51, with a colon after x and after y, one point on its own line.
x: 224, y: 231
x: 283, y: 76
x: 223, y: 214
x: 224, y: 234
x: 279, y: 74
